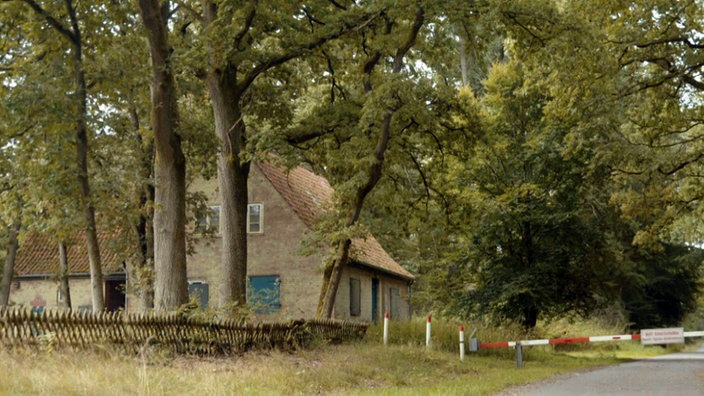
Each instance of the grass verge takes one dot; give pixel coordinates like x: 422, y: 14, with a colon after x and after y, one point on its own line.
x: 405, y: 367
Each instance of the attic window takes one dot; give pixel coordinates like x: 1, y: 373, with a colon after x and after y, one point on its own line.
x: 255, y: 218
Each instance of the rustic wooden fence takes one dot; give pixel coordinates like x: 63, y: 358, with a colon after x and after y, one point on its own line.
x: 132, y: 331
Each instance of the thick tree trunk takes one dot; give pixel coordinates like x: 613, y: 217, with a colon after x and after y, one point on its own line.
x: 233, y: 172
x: 170, y: 289
x: 9, y: 266
x: 63, y: 276
x: 232, y: 177
x: 233, y: 187
x: 333, y: 271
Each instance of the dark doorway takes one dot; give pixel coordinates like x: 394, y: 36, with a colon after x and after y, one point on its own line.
x: 115, y: 293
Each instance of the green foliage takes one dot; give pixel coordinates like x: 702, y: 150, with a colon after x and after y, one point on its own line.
x: 534, y: 245
x: 670, y: 281
x: 564, y: 177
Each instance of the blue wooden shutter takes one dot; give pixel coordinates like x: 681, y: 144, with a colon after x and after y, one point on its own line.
x: 263, y: 293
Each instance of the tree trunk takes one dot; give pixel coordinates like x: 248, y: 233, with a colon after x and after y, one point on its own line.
x: 530, y: 310
x: 170, y: 289
x: 463, y: 60
x: 63, y: 275
x: 73, y: 34
x: 92, y: 246
x: 326, y: 305
x: 530, y: 316
x: 144, y: 268
x: 9, y: 267
x: 232, y: 177
x: 233, y: 173
x: 333, y: 271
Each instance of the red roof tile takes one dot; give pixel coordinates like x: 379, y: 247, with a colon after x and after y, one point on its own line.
x: 307, y: 194
x: 39, y: 255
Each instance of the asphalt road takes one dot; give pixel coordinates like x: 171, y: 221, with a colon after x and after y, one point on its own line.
x: 672, y: 375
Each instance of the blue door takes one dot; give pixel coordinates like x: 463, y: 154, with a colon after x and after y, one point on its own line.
x: 375, y: 299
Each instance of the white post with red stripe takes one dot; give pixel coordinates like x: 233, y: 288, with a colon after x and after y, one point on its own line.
x: 386, y: 328
x: 427, y: 333
x: 462, y: 343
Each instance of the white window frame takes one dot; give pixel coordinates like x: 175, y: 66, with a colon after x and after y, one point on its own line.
x: 261, y: 218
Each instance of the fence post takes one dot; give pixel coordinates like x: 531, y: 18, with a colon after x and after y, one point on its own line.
x: 462, y: 343
x: 386, y: 328
x: 427, y: 333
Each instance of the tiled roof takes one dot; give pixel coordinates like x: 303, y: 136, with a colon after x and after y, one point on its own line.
x: 39, y: 255
x: 307, y: 194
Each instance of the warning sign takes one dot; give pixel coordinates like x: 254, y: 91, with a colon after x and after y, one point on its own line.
x: 662, y: 336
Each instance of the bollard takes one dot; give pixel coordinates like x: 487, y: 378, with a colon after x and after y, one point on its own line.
x: 386, y: 328
x: 427, y: 333
x: 462, y: 343
x: 519, y: 355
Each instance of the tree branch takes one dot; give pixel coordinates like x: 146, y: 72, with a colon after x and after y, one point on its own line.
x: 247, y: 25
x: 338, y: 5
x: 311, y: 19
x: 296, y: 52
x: 693, y: 82
x: 514, y: 17
x: 197, y: 15
x: 58, y: 26
x: 680, y: 166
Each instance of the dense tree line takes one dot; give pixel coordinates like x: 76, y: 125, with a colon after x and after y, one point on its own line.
x: 527, y: 159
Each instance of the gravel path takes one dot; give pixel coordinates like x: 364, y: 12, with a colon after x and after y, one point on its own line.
x: 672, y: 375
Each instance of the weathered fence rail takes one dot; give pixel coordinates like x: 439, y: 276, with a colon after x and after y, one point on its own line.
x: 181, y: 334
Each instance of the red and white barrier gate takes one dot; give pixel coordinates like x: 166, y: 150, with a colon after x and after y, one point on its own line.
x: 647, y: 337
x: 553, y: 341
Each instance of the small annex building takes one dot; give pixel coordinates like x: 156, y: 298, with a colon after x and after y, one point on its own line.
x: 36, y: 279
x: 283, y: 283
